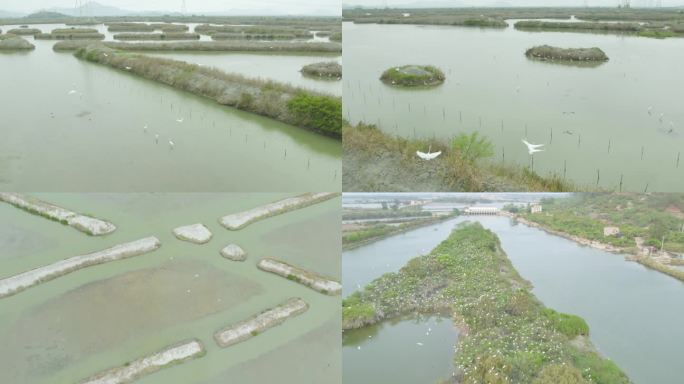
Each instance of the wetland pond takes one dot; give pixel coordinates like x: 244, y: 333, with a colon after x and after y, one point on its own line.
x: 634, y: 313
x: 72, y: 327
x: 94, y: 139
x: 594, y: 121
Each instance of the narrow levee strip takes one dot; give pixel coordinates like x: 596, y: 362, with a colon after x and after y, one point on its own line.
x: 240, y: 220
x: 17, y: 283
x: 280, y: 47
x: 86, y: 224
x: 310, y: 279
x: 146, y: 365
x: 288, y: 104
x: 264, y: 321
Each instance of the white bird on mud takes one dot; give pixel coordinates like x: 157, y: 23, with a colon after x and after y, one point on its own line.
x: 180, y: 120
x: 428, y: 155
x: 72, y: 92
x: 532, y: 148
x: 105, y: 55
x: 171, y: 144
x: 128, y: 68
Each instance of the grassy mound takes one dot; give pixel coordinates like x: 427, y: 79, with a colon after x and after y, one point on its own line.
x: 24, y: 31
x: 546, y: 52
x: 317, y: 112
x: 71, y: 34
x: 252, y: 36
x: 413, y: 76
x: 325, y: 70
x: 381, y: 162
x: 577, y: 26
x: 507, y: 335
x: 12, y: 42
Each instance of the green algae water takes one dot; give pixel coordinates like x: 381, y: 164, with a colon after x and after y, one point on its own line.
x: 633, y: 312
x: 94, y: 139
x: 410, y: 350
x: 594, y: 122
x: 99, y: 317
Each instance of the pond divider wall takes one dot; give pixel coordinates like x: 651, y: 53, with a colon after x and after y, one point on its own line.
x: 175, y: 354
x: 17, y: 283
x: 257, y: 324
x: 280, y: 47
x: 310, y: 110
x: 86, y: 224
x: 310, y: 279
x: 240, y: 220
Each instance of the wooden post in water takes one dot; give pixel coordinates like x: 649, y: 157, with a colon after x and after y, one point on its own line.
x: 609, y: 146
x: 525, y: 130
x: 646, y: 188
x: 678, y: 153
x: 621, y: 175
x: 642, y: 152
x: 501, y: 125
x: 503, y: 155
x: 565, y: 168
x: 598, y: 176
x: 579, y: 140
x: 551, y: 138
x: 460, y: 116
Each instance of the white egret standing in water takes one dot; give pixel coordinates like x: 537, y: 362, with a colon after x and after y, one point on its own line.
x: 145, y: 128
x: 72, y: 92
x: 532, y: 148
x: 650, y: 110
x: 428, y: 155
x: 156, y: 138
x: 180, y: 120
x: 171, y: 144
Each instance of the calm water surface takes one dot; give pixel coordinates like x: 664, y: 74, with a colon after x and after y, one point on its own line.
x: 95, y: 140
x: 634, y: 313
x: 594, y: 121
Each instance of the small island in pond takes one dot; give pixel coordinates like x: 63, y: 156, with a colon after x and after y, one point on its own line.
x: 324, y: 70
x: 549, y: 53
x: 413, y: 76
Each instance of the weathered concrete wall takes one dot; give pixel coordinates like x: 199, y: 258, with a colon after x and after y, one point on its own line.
x: 143, y: 366
x: 310, y: 279
x: 240, y: 220
x: 89, y: 225
x: 267, y: 319
x: 17, y: 283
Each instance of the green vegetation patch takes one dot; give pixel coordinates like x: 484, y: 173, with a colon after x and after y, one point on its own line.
x: 413, y: 76
x: 657, y: 33
x: 507, y: 335
x: 318, y: 112
x: 546, y: 52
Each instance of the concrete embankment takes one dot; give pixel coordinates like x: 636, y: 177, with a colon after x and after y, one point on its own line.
x: 240, y: 220
x: 299, y: 107
x: 17, y: 283
x: 86, y: 224
x: 264, y: 321
x: 280, y: 47
x: 310, y: 279
x: 146, y: 365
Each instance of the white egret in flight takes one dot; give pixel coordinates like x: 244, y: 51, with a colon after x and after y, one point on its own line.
x: 533, y: 148
x: 428, y: 155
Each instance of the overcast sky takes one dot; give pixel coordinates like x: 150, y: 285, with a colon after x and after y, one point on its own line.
x: 527, y: 3
x: 330, y: 7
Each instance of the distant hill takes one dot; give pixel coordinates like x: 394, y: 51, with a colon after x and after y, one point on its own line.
x: 47, y: 15
x: 93, y: 9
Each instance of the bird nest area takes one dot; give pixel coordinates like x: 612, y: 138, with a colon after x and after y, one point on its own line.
x: 327, y: 70
x: 413, y: 76
x: 546, y: 52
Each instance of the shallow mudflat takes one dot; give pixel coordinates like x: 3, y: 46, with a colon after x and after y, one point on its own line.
x: 73, y: 327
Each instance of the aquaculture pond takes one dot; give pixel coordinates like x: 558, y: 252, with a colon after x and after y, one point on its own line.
x: 403, y: 351
x: 284, y: 68
x: 634, y: 313
x: 85, y: 127
x: 67, y: 329
x: 595, y: 122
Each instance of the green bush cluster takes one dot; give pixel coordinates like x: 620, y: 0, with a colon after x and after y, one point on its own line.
x: 317, y: 112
